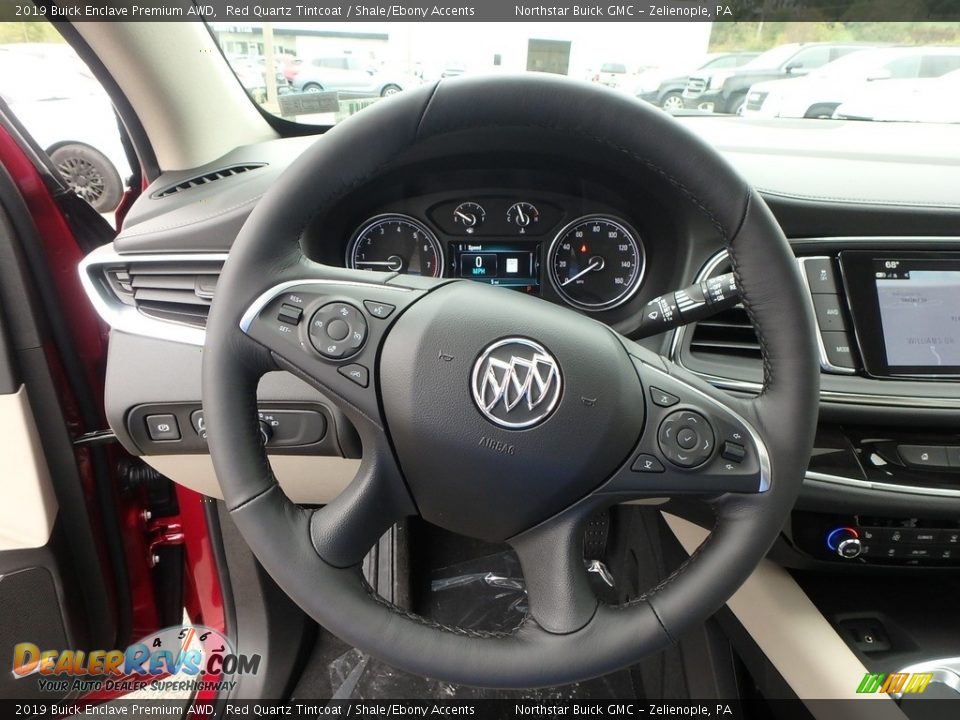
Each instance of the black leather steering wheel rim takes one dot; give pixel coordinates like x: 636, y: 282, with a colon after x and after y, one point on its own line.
x: 286, y: 538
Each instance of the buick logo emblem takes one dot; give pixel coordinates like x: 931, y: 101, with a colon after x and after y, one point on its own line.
x: 516, y: 383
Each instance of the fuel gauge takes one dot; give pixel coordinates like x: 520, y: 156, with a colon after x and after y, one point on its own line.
x: 469, y: 216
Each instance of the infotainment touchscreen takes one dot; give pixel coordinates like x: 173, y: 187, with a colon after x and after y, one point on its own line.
x: 920, y: 313
x: 906, y: 311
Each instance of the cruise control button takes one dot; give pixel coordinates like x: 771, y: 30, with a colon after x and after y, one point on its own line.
x: 290, y: 314
x: 647, y: 464
x: 379, y: 309
x: 662, y: 398
x: 337, y: 329
x: 356, y: 373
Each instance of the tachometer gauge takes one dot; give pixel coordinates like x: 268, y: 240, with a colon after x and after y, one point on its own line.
x: 596, y: 262
x: 396, y: 243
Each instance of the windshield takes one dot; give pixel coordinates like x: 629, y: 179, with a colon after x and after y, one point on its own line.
x: 322, y: 72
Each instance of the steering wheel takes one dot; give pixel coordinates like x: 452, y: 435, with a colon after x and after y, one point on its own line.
x: 498, y: 415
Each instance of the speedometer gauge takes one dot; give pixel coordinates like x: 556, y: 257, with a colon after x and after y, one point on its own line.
x: 596, y: 262
x: 395, y: 243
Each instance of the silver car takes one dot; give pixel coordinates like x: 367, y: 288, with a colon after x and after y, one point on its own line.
x: 346, y: 75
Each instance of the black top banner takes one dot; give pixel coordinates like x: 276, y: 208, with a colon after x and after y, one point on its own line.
x: 481, y: 10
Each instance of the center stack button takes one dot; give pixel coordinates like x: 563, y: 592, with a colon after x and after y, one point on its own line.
x: 338, y: 330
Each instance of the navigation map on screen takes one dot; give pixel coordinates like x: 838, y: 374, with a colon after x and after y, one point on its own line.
x: 920, y: 313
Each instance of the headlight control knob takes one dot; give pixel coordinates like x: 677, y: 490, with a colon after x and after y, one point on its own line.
x: 845, y: 542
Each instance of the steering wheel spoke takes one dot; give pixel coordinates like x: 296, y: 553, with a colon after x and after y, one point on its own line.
x: 343, y: 531
x: 697, y: 439
x: 551, y: 557
x: 328, y: 325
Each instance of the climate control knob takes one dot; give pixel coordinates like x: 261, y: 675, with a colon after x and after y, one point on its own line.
x: 845, y: 542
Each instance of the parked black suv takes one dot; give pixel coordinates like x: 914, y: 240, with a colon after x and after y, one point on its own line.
x: 726, y: 92
x: 667, y: 93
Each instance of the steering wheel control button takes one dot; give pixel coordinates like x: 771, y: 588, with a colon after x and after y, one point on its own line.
x: 290, y: 314
x: 379, y: 309
x: 686, y: 438
x: 647, y: 464
x: 355, y: 373
x: 662, y: 398
x: 338, y: 330
x: 163, y: 428
x: 733, y: 452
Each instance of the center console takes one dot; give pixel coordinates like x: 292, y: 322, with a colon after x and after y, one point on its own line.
x: 883, y: 484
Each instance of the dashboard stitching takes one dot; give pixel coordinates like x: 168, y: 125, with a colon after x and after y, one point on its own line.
x: 859, y: 201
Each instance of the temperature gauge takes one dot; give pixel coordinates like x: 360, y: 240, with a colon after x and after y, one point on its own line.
x: 469, y: 216
x: 523, y: 215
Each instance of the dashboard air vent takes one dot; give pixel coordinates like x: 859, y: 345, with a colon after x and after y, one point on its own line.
x: 175, y: 291
x: 206, y: 178
x: 727, y: 334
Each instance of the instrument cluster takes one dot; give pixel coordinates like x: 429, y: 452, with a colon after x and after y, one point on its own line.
x: 592, y: 261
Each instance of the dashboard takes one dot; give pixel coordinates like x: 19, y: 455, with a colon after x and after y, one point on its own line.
x: 882, y: 267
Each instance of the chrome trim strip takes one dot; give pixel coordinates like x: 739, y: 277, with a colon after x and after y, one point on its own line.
x: 885, y: 487
x: 762, y: 454
x: 264, y: 298
x: 830, y: 396
x: 825, y: 363
x: 127, y: 318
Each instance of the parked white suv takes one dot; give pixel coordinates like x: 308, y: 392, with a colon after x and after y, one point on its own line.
x: 822, y: 91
